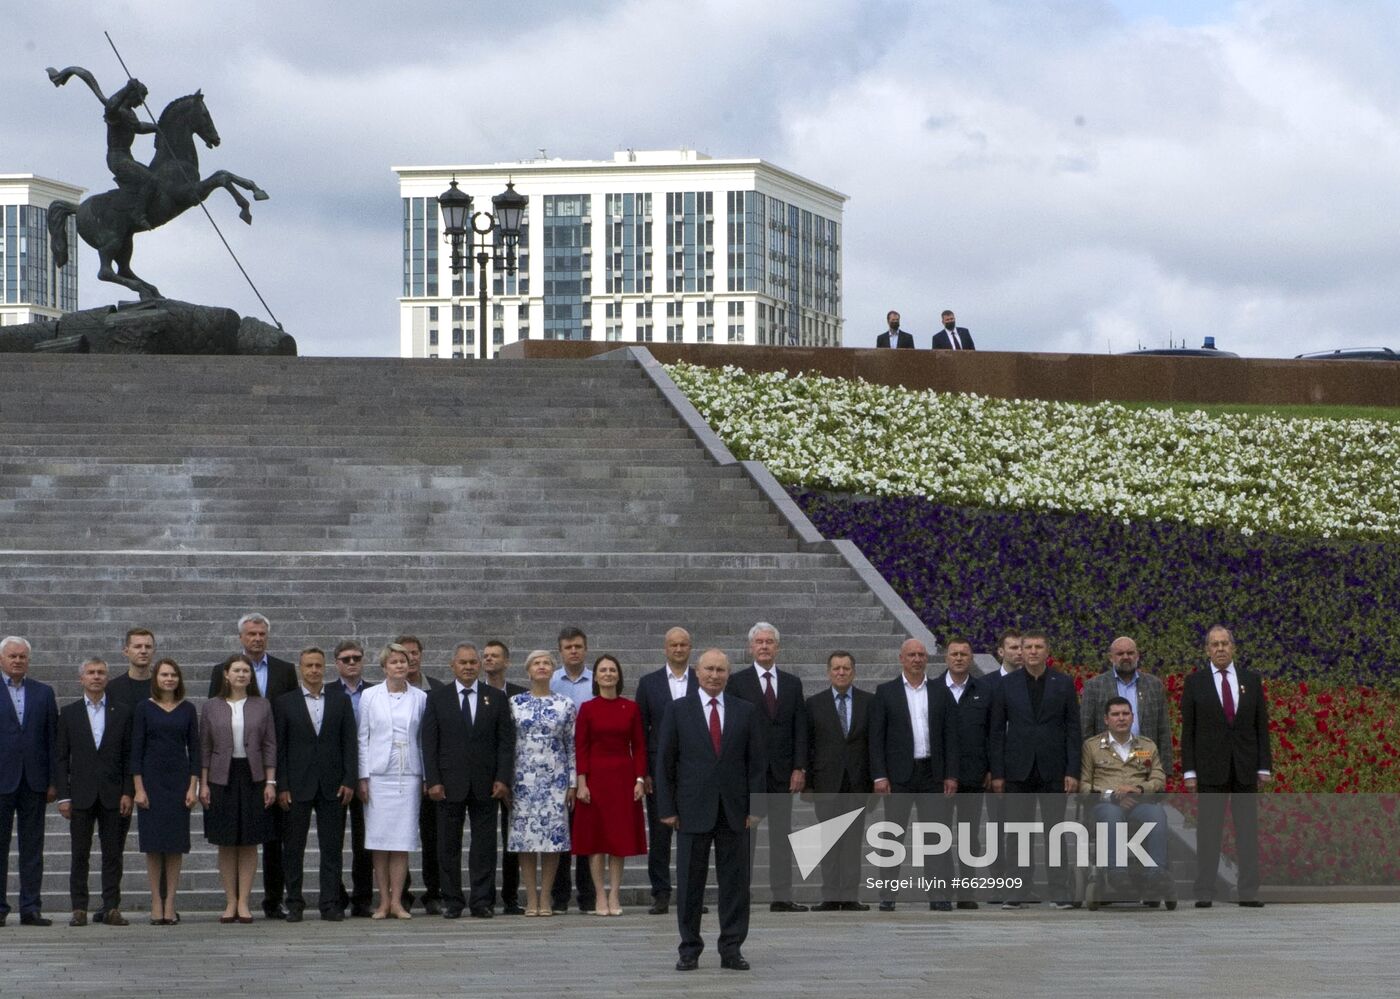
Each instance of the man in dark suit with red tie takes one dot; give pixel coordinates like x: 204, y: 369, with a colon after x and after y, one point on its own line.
x: 712, y: 764
x: 782, y: 712
x: 468, y: 760
x: 1225, y: 755
x: 318, y: 769
x: 839, y: 764
x: 94, y: 788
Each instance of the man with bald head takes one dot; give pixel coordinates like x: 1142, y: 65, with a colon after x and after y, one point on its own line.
x: 914, y: 754
x: 710, y: 765
x: 1145, y: 694
x: 655, y: 692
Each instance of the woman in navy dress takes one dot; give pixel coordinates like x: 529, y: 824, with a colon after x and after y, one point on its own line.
x: 612, y: 768
x: 165, y: 764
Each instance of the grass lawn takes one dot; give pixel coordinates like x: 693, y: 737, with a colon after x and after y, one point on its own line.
x: 1387, y: 413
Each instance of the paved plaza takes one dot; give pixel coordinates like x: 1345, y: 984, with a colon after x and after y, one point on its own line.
x: 1344, y: 950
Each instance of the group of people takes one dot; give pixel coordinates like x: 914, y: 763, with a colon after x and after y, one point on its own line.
x: 567, y: 764
x: 950, y: 337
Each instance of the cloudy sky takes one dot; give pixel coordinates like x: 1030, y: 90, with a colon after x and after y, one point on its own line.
x: 1069, y: 175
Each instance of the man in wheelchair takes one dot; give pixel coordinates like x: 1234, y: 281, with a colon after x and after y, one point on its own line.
x: 1119, y: 775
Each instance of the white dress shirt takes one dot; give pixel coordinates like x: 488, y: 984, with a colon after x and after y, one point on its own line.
x: 97, y: 718
x: 956, y: 688
x: 471, y: 700
x: 917, y: 699
x: 680, y: 686
x: 762, y: 683
x: 315, y: 707
x: 705, y: 700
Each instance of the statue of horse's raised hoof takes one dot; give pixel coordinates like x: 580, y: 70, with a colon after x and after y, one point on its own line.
x: 246, y: 215
x: 260, y: 195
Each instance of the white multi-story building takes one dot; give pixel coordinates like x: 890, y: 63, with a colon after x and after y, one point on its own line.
x: 31, y: 287
x: 668, y: 246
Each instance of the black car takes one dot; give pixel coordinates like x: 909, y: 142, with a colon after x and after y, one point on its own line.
x: 1352, y: 354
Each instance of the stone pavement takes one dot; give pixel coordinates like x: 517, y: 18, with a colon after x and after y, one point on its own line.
x: 1283, y: 950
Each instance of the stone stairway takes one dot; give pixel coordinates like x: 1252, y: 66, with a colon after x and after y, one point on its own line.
x: 366, y: 497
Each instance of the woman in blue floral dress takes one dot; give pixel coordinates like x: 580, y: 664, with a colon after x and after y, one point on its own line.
x: 543, y: 791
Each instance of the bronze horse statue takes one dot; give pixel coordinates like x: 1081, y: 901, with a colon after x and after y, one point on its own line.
x: 147, y: 197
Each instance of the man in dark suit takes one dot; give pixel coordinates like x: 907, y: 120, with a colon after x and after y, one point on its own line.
x: 894, y: 333
x: 782, y: 713
x: 28, y: 743
x: 1225, y: 754
x: 94, y: 788
x: 275, y: 677
x: 495, y: 661
x: 1035, y: 752
x: 350, y: 681
x: 655, y: 692
x: 317, y: 770
x: 712, y: 764
x: 468, y: 758
x: 914, y: 755
x: 952, y: 336
x: 972, y: 699
x: 839, y: 764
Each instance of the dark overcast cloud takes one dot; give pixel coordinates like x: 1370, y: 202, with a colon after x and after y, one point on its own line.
x: 1077, y: 176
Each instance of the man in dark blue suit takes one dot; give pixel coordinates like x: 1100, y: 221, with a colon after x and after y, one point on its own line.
x: 782, y: 713
x: 1035, y: 752
x: 711, y: 764
x: 972, y: 709
x: 914, y: 755
x: 28, y: 747
x: 655, y: 692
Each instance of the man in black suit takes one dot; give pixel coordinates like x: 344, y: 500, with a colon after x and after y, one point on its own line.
x: 94, y: 788
x: 350, y: 681
x: 952, y: 336
x: 900, y: 338
x: 782, y: 713
x: 655, y: 692
x: 1035, y: 752
x: 839, y: 764
x: 1225, y: 755
x: 317, y: 770
x: 28, y: 744
x: 495, y: 661
x: 711, y: 765
x: 914, y: 755
x: 275, y: 677
x: 468, y: 758
x: 972, y: 698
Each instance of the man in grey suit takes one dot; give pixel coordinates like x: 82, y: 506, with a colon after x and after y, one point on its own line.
x: 1145, y: 693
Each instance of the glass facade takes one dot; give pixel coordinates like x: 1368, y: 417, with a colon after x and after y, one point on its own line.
x: 628, y: 242
x: 690, y: 241
x: 567, y: 266
x: 27, y: 273
x: 420, y: 247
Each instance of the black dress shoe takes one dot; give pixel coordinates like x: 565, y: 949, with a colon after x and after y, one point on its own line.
x: 827, y: 907
x: 660, y: 905
x: 940, y: 906
x: 787, y: 907
x: 293, y: 916
x: 854, y: 907
x: 482, y: 913
x: 968, y: 903
x: 432, y: 906
x: 734, y: 962
x: 333, y: 916
x: 452, y: 913
x: 512, y: 910
x: 361, y: 911
x: 559, y: 910
x: 1251, y: 903
x: 687, y: 964
x: 887, y: 907
x: 1203, y: 903
x: 274, y: 911
x: 34, y: 919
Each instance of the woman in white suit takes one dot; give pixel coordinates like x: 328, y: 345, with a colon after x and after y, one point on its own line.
x: 391, y: 775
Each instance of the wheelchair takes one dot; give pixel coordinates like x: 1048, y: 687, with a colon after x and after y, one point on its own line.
x: 1134, y: 884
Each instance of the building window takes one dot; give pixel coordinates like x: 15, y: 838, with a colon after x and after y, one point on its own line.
x: 567, y: 238
x: 420, y: 247
x: 690, y: 238
x: 628, y: 243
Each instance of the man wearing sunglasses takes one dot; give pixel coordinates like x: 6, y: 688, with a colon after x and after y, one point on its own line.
x: 350, y: 663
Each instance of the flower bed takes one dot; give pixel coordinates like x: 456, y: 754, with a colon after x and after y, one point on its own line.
x: 1322, y: 478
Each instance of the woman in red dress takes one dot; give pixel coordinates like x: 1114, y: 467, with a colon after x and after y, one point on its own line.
x: 612, y: 765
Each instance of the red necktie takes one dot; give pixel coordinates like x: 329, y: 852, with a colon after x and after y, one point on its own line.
x: 770, y: 698
x: 1227, y: 698
x: 714, y: 723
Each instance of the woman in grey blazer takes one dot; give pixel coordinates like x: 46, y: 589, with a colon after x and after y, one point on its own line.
x: 238, y: 737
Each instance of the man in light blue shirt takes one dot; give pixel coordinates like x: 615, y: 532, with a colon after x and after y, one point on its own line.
x: 575, y: 681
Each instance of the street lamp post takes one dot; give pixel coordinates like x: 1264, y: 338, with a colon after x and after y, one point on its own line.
x: 469, y: 231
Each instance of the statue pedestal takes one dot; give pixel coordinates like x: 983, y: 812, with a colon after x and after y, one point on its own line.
x: 157, y: 326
